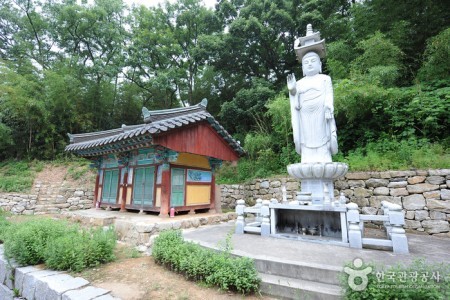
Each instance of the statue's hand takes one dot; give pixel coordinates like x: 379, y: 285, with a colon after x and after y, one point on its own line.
x: 291, y: 82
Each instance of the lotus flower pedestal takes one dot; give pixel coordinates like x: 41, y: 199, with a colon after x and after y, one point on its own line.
x: 317, y: 180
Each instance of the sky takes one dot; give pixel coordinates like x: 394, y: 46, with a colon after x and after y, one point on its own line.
x: 208, y: 3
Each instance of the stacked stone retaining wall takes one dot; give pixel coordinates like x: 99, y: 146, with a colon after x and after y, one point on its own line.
x: 48, y: 197
x: 424, y: 195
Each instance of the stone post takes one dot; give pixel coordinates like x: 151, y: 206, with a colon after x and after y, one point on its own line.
x: 354, y: 230
x: 398, y: 237
x: 265, y: 214
x: 387, y: 224
x: 259, y: 204
x: 240, y: 205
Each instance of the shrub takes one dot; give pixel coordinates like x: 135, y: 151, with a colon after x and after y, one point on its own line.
x: 400, y: 282
x: 59, y: 245
x: 4, y: 225
x: 197, y: 263
x: 26, y: 242
x: 81, y: 249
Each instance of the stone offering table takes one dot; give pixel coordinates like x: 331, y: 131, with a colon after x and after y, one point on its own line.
x: 309, y: 222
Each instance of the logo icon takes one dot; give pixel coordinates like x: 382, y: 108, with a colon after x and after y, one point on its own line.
x: 355, y: 272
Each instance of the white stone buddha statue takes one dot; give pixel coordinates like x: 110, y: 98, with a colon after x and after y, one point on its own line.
x: 312, y: 107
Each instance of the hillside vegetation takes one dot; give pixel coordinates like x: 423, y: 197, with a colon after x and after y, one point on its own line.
x: 73, y: 67
x: 19, y: 176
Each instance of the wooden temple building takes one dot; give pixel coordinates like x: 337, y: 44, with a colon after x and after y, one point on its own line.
x: 168, y: 161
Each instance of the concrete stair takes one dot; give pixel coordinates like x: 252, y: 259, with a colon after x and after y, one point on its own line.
x: 290, y: 288
x: 291, y: 280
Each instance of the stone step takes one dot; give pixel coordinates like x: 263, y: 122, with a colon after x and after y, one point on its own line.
x: 252, y: 229
x: 290, y: 288
x: 303, y: 271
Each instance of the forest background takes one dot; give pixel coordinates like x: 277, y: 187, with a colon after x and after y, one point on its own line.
x: 81, y: 66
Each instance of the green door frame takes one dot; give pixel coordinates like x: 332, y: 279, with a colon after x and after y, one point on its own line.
x: 110, y: 186
x: 144, y: 186
x: 177, y: 186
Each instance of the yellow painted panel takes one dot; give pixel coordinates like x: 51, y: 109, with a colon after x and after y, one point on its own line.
x: 198, y: 194
x: 158, y: 197
x: 99, y: 195
x: 128, y: 195
x: 193, y: 160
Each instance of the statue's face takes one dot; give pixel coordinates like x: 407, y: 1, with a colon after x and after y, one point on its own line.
x: 311, y: 64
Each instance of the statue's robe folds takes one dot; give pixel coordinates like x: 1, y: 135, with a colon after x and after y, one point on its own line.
x: 314, y: 135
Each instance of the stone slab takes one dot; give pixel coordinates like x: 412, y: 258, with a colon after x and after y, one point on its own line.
x: 357, y: 176
x: 435, y: 226
x: 52, y: 287
x: 87, y: 293
x: 20, y: 274
x: 396, y: 192
x: 414, y: 202
x: 30, y: 280
x: 421, y: 215
x: 416, y: 179
x: 435, y: 179
x: 7, y: 271
x: 3, y: 269
x: 372, y: 182
x: 437, y: 215
x: 6, y: 293
x: 381, y: 191
x: 445, y: 194
x: 438, y: 205
x: 107, y: 297
x: 397, y: 184
x: 403, y: 173
x: 421, y: 188
x: 441, y: 172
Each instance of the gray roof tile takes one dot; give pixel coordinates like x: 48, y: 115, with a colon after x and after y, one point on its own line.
x: 157, y: 122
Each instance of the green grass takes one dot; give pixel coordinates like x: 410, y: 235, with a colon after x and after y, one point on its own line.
x: 383, y: 155
x: 18, y: 176
x: 77, y: 167
x: 398, y: 156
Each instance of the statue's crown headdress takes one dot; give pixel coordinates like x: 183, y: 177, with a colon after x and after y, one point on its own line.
x: 308, y: 43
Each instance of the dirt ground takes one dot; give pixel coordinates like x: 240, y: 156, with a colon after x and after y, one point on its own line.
x: 54, y: 173
x: 142, y: 279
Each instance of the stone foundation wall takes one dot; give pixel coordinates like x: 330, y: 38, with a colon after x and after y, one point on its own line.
x: 424, y: 195
x: 48, y: 198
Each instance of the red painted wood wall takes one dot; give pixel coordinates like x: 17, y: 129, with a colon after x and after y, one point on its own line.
x: 199, y: 139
